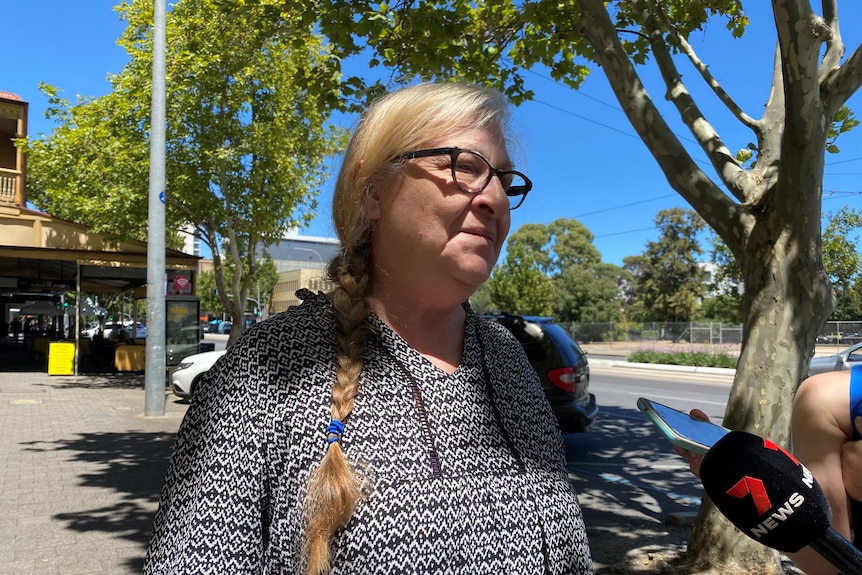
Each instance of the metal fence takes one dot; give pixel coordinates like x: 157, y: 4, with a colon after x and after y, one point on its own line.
x: 841, y: 332
x: 709, y: 332
x: 712, y: 332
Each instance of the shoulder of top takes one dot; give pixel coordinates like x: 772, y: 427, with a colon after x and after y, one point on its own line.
x: 306, y: 295
x: 494, y: 329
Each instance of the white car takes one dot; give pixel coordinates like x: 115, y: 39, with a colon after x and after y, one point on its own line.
x: 110, y: 331
x: 190, y: 370
x: 844, y: 359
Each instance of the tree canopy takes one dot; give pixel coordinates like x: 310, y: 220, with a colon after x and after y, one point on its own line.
x: 519, y: 286
x: 585, y: 288
x: 248, y: 133
x: 668, y: 282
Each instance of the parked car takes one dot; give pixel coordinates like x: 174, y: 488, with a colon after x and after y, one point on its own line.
x: 190, y: 370
x: 844, y: 359
x: 112, y: 329
x: 839, y: 338
x: 138, y: 331
x: 224, y: 327
x: 562, y: 367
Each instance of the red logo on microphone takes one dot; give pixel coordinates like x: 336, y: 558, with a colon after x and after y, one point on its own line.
x: 754, y: 487
x: 769, y: 445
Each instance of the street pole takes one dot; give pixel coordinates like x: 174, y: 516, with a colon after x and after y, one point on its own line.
x: 154, y: 384
x: 315, y: 252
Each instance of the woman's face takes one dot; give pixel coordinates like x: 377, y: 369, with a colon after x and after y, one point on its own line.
x: 429, y: 235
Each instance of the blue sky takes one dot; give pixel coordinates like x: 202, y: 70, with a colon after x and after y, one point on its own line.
x: 585, y: 160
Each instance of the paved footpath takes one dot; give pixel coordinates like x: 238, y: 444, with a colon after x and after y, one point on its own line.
x: 81, y: 468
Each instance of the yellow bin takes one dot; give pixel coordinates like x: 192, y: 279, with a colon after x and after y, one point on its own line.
x: 61, y: 358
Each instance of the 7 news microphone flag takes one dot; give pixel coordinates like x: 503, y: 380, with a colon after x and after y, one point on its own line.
x: 774, y: 499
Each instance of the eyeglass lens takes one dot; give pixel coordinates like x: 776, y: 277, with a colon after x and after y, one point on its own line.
x: 472, y: 173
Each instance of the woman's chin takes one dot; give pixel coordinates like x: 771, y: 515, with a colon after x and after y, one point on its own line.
x: 474, y: 276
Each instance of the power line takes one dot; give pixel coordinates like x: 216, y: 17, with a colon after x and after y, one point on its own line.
x: 578, y: 92
x: 627, y: 205
x: 628, y: 232
x: 831, y: 195
x: 586, y: 119
x: 826, y: 195
x: 835, y: 195
x: 844, y: 162
x: 631, y: 135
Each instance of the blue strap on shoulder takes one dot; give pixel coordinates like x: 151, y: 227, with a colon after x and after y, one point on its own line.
x: 855, y: 399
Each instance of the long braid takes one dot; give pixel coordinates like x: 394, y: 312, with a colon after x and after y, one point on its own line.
x: 333, y: 490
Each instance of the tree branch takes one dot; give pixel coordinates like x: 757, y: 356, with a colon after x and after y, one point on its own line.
x: 683, y: 175
x: 828, y: 26
x: 737, y: 180
x: 772, y: 130
x: 710, y: 80
x: 840, y: 83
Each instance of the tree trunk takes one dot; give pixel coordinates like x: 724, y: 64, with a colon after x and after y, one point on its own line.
x: 788, y: 298
x: 772, y: 226
x: 715, y: 541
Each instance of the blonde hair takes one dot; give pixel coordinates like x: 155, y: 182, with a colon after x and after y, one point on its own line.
x: 395, y: 123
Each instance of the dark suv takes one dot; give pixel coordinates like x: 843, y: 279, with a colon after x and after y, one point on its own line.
x: 562, y: 367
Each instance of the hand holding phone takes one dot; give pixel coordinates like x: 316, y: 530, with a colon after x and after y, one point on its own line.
x: 680, y: 428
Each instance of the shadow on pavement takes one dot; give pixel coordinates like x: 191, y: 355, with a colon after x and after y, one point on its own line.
x: 132, y: 469
x: 125, y: 380
x: 637, y: 495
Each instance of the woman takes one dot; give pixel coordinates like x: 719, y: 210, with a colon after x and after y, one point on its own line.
x: 384, y: 427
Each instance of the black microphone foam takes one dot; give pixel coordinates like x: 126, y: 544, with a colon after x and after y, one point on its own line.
x: 765, y: 492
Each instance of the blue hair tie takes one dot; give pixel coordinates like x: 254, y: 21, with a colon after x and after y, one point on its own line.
x: 335, y: 428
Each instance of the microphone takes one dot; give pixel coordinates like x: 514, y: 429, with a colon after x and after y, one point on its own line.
x: 774, y: 499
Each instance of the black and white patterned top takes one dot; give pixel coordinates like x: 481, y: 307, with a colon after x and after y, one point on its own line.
x: 469, y: 467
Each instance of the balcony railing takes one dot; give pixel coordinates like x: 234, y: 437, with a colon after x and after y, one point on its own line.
x: 8, y: 184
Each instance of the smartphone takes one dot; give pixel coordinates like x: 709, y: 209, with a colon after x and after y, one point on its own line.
x: 680, y: 428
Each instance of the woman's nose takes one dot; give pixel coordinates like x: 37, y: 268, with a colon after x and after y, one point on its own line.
x: 494, y: 196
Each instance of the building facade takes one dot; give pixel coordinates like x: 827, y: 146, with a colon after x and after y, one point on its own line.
x: 301, y: 263
x: 13, y: 169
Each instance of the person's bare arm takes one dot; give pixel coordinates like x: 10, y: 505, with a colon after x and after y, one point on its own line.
x: 851, y: 465
x: 819, y: 430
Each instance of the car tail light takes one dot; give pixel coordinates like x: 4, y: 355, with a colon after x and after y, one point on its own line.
x: 565, y: 378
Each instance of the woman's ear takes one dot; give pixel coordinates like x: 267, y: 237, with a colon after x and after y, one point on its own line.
x: 369, y: 196
x: 372, y: 203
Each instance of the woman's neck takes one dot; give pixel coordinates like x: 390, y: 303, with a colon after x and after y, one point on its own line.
x: 436, y: 333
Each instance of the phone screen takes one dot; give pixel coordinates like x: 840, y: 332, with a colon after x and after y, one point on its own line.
x: 680, y: 428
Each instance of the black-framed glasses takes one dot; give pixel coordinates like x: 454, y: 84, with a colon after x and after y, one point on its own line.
x: 472, y: 173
